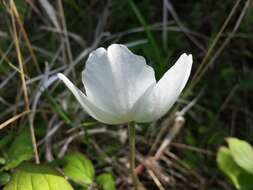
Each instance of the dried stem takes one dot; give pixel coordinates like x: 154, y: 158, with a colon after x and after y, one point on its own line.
x: 22, y: 75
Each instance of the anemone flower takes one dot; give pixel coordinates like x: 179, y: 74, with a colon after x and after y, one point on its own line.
x: 121, y: 88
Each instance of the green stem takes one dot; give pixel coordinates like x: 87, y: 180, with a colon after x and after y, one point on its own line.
x: 131, y: 133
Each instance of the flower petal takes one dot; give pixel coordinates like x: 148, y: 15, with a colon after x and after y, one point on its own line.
x: 89, y: 106
x: 158, y: 99
x: 115, y: 79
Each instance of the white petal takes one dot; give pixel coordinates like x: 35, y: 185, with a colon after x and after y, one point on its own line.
x: 159, y: 98
x: 88, y: 106
x: 115, y: 79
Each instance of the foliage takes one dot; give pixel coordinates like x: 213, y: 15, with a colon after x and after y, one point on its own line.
x: 236, y: 163
x: 106, y: 181
x: 37, y: 177
x: 20, y: 150
x: 78, y: 168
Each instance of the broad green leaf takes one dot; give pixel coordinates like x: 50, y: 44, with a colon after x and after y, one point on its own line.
x: 241, y: 179
x: 106, y: 181
x: 228, y: 166
x: 79, y: 168
x: 20, y: 150
x: 37, y: 177
x: 242, y: 153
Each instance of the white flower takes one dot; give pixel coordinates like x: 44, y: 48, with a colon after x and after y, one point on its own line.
x: 120, y: 87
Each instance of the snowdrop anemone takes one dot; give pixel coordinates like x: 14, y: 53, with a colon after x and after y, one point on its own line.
x: 121, y: 88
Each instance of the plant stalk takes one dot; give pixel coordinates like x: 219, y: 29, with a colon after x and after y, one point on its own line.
x: 131, y: 133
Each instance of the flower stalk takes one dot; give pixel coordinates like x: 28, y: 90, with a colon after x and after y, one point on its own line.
x: 131, y: 133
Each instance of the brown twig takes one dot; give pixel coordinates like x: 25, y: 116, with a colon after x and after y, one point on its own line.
x: 14, y: 118
x: 178, y: 124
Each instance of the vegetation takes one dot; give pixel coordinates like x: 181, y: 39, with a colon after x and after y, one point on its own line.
x: 41, y: 122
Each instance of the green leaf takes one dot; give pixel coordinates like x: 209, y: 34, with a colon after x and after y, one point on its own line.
x: 245, y: 181
x: 79, y: 168
x: 20, y: 150
x: 242, y: 153
x: 239, y: 177
x: 106, y: 181
x: 37, y: 177
x: 227, y: 164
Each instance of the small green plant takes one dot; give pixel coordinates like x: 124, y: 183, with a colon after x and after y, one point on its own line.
x: 79, y: 169
x: 236, y: 161
x: 75, y: 166
x: 37, y: 177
